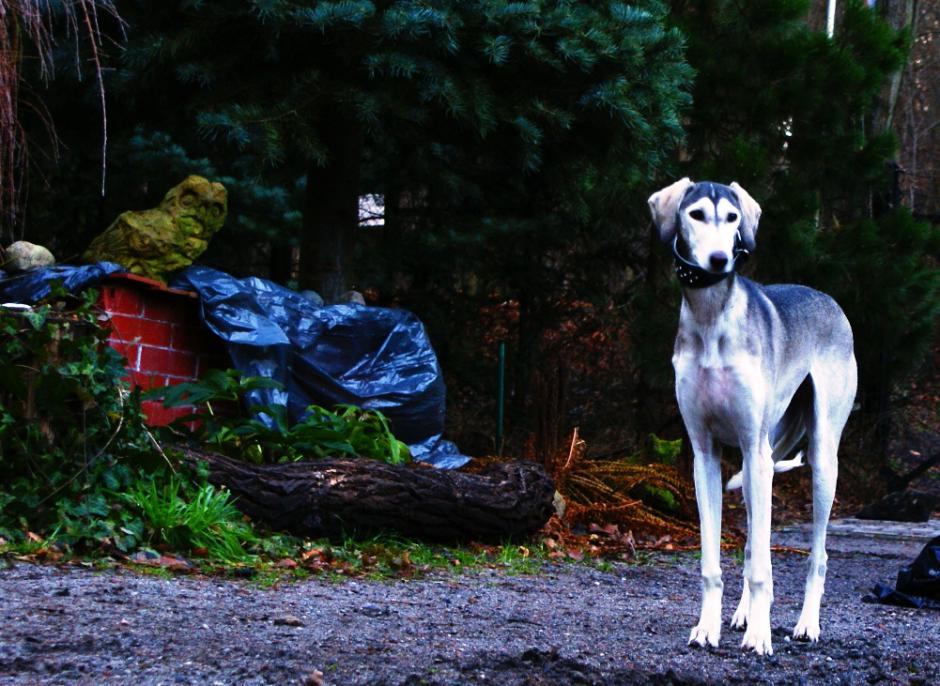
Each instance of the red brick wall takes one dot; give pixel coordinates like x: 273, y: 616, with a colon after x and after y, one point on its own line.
x: 159, y: 331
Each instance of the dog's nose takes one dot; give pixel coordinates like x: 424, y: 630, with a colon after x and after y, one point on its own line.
x: 718, y: 260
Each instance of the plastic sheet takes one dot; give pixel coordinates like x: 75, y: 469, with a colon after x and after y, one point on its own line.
x: 918, y: 583
x: 32, y: 286
x: 375, y: 358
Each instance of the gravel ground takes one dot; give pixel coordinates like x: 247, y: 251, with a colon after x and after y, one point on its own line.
x: 571, y: 624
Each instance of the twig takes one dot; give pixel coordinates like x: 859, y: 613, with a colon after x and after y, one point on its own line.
x: 93, y: 31
x: 571, y: 451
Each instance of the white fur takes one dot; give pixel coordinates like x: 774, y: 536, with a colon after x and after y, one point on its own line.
x: 727, y: 396
x: 714, y: 233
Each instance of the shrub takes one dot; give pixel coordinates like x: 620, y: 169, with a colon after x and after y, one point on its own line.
x: 268, y: 436
x: 70, y: 430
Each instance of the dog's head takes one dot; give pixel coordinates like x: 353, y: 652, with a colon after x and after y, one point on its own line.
x: 709, y: 217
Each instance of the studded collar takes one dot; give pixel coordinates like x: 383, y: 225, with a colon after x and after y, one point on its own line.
x: 691, y: 275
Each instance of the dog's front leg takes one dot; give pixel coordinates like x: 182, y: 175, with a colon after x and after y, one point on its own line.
x: 707, y: 469
x: 758, y: 486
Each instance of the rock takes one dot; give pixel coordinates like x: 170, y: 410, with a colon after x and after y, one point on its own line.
x: 901, y: 506
x: 288, y: 620
x: 154, y: 243
x: 373, y: 610
x: 24, y: 255
x: 313, y: 297
x: 352, y: 297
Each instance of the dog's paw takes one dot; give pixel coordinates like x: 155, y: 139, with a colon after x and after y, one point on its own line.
x: 757, y: 638
x: 705, y: 634
x: 739, y: 618
x: 807, y: 629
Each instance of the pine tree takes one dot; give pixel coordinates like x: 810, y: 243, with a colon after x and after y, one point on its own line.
x: 444, y: 93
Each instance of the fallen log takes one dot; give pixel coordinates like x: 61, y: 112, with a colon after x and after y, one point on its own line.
x: 333, y: 497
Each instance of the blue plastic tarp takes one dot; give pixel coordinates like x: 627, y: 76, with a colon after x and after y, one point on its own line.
x: 371, y: 357
x: 34, y: 285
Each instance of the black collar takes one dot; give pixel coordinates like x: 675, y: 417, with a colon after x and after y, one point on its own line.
x: 691, y: 275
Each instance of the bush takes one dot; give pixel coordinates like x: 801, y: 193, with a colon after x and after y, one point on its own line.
x: 70, y: 430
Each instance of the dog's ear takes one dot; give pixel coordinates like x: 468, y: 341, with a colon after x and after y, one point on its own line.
x: 664, y: 206
x: 750, y: 216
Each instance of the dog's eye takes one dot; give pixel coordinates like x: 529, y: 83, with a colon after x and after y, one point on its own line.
x: 697, y: 215
x: 731, y: 217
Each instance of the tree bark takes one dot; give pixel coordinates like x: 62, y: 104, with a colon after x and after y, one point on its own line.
x: 334, y: 497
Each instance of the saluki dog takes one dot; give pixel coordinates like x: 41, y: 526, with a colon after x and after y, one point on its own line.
x: 759, y: 368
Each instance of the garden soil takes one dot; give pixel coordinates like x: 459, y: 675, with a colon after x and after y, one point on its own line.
x: 569, y: 624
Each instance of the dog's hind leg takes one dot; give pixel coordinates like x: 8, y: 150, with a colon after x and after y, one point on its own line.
x: 822, y: 456
x: 708, y: 493
x: 739, y: 618
x: 825, y: 431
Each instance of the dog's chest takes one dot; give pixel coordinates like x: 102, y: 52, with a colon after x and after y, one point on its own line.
x: 717, y: 376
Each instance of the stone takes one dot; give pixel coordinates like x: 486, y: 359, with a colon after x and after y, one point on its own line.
x: 24, y: 255
x: 315, y: 298
x: 352, y: 297
x: 157, y: 242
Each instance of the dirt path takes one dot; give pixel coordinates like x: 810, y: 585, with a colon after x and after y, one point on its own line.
x: 570, y: 625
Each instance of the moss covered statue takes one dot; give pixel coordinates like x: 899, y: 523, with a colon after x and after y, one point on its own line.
x: 154, y: 243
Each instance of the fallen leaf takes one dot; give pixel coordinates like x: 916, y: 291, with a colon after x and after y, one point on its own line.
x: 174, y: 564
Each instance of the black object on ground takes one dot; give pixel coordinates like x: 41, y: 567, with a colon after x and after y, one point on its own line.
x: 901, y: 506
x: 918, y: 583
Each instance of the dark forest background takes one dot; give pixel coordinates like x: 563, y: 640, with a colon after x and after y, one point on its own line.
x: 514, y: 145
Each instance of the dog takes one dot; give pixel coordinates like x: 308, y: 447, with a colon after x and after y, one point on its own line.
x: 759, y: 368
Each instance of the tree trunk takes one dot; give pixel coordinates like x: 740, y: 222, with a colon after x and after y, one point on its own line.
x: 899, y: 14
x: 331, y: 209
x: 281, y: 263
x: 333, y: 497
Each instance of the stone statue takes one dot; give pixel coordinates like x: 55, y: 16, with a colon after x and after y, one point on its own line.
x: 154, y: 243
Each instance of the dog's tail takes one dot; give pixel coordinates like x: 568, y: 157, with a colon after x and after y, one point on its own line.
x: 737, y: 481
